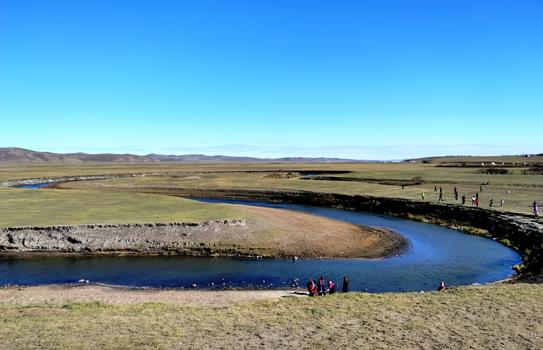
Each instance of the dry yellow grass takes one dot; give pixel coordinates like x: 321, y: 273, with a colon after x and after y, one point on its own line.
x: 487, y: 317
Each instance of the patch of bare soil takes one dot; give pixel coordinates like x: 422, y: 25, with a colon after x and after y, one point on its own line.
x: 288, y: 233
x: 62, y: 294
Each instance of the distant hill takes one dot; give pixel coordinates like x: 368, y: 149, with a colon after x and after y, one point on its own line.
x: 20, y: 155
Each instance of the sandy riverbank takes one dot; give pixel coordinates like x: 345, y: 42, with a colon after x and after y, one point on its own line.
x: 84, y: 293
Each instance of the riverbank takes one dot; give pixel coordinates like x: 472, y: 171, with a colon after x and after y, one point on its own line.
x: 116, y: 295
x: 488, y: 317
x: 263, y: 232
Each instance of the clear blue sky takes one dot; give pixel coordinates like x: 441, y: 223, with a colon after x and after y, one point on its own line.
x: 363, y: 79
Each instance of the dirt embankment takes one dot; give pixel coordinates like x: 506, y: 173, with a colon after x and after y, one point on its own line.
x: 267, y: 232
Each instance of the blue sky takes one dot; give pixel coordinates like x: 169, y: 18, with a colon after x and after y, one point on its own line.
x: 362, y: 79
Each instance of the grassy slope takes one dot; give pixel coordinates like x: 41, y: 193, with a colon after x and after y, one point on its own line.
x: 24, y: 207
x: 498, y: 316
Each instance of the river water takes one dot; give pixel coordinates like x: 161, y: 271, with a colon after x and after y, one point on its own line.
x: 435, y: 253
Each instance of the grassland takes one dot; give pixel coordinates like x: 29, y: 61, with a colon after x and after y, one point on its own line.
x: 383, y: 180
x: 489, y: 317
x: 501, y: 316
x: 26, y: 207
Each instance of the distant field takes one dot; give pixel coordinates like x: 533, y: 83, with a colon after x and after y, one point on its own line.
x: 372, y: 179
x: 18, y: 171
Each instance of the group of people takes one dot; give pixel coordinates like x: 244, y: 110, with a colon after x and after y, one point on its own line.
x: 321, y: 288
x: 475, y: 200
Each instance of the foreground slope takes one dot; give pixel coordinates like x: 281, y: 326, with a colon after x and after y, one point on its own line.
x: 491, y: 317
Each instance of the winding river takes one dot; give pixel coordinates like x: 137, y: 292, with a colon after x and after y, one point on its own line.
x: 435, y: 253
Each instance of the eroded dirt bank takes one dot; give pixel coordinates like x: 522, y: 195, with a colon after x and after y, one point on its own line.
x: 266, y: 232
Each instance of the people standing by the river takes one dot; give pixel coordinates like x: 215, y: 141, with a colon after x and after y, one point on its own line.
x: 473, y: 200
x: 440, y: 194
x: 331, y: 287
x: 441, y: 286
x: 491, y: 202
x: 535, y: 208
x: 463, y: 199
x: 502, y: 202
x: 481, y: 188
x: 345, y: 287
x: 455, y: 193
x: 311, y: 288
x: 321, y: 287
x: 435, y: 188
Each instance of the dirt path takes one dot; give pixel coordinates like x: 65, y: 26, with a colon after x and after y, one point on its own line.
x: 62, y: 294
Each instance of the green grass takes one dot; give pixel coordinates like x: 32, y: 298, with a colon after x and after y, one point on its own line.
x: 27, y: 207
x: 524, y: 189
x: 490, y: 317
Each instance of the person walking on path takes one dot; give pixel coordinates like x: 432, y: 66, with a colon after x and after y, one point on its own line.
x: 435, y: 188
x: 463, y: 199
x: 502, y: 202
x: 535, y: 208
x: 491, y: 202
x: 423, y: 195
x: 440, y: 194
x: 345, y: 287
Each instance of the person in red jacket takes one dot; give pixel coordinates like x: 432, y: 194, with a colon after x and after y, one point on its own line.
x: 331, y: 287
x: 311, y: 288
x: 441, y: 286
